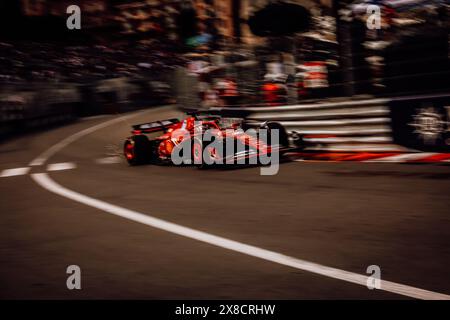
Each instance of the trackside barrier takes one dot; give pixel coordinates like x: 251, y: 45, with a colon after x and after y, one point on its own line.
x: 377, y: 125
x: 40, y: 105
x: 21, y: 110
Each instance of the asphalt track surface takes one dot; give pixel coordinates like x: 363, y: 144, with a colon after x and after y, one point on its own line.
x: 343, y: 215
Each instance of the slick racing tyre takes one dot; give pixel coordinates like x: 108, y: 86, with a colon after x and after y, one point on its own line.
x: 283, y: 137
x: 137, y: 150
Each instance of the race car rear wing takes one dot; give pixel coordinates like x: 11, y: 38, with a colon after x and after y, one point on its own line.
x: 154, y: 126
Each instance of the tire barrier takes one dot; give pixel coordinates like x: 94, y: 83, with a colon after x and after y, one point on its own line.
x: 375, y: 125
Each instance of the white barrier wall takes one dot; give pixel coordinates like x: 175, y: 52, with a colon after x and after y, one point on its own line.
x: 340, y: 126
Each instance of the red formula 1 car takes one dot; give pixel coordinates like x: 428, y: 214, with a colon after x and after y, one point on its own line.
x: 158, y: 141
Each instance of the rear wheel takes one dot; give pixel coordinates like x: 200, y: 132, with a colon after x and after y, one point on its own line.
x: 137, y: 150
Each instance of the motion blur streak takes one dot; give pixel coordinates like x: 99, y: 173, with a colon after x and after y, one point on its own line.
x: 41, y: 159
x: 44, y: 181
x: 61, y: 166
x: 14, y: 172
x: 47, y: 183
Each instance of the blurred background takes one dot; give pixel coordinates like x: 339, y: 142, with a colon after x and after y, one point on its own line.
x: 354, y: 94
x: 221, y: 53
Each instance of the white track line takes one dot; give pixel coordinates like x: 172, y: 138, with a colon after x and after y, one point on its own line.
x: 61, y: 166
x: 46, y: 182
x: 14, y: 172
x: 63, y: 143
x: 109, y: 160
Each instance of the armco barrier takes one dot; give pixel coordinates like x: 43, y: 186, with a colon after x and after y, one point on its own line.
x: 37, y: 107
x: 42, y: 104
x: 364, y: 125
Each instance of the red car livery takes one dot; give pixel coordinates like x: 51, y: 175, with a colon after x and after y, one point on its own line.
x: 203, y: 141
